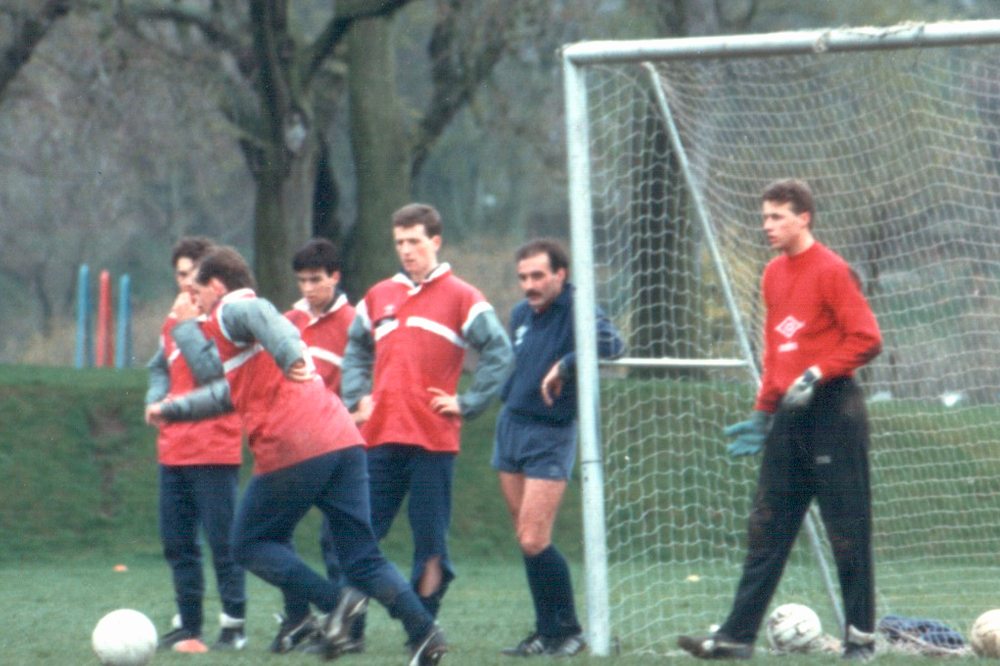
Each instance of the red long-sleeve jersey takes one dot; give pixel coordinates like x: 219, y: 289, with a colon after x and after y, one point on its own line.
x: 420, y: 342
x: 325, y: 336
x: 216, y: 441
x: 816, y: 316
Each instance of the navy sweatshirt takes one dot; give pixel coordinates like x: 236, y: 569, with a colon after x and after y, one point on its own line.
x: 539, y: 341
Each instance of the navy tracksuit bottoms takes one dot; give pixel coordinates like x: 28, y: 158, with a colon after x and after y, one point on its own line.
x: 819, y: 451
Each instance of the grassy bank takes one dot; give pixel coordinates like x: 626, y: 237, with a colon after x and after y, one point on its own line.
x: 78, y: 473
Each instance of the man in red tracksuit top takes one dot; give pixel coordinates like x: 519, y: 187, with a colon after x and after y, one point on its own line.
x: 323, y: 314
x: 811, y: 421
x: 401, y: 371
x: 198, y: 480
x: 307, y: 452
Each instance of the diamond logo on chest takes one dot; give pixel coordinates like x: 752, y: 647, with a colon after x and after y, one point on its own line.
x: 789, y: 326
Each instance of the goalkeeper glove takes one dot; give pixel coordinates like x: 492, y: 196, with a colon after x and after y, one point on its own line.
x: 748, y: 435
x: 800, y: 392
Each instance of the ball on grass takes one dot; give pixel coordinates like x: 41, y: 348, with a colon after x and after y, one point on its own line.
x: 124, y: 637
x: 986, y: 634
x: 794, y: 628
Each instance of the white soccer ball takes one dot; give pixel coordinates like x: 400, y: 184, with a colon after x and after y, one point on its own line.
x: 986, y: 634
x: 124, y: 638
x: 794, y: 628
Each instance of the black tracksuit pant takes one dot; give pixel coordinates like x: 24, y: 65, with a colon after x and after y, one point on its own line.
x: 820, y: 451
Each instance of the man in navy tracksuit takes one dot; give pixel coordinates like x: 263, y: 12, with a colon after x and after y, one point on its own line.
x: 535, y: 442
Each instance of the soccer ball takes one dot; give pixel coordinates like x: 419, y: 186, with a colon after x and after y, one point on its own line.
x: 124, y: 638
x: 793, y: 628
x: 986, y: 634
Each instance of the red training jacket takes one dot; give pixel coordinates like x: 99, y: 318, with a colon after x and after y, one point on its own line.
x: 419, y: 343
x: 325, y: 336
x: 816, y: 315
x: 286, y: 422
x: 217, y: 441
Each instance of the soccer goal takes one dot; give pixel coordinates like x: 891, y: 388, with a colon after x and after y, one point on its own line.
x: 670, y: 142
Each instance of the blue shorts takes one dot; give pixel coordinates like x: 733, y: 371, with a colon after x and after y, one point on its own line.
x: 537, y: 450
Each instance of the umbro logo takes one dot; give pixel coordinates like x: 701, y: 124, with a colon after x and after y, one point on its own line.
x: 789, y: 326
x: 519, y: 334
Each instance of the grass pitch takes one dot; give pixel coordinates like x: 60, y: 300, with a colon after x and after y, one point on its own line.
x: 78, y: 496
x: 52, y: 608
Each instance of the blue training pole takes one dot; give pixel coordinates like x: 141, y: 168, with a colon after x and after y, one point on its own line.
x: 83, y: 318
x: 123, y: 352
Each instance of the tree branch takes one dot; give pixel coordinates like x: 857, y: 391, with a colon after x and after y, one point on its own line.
x: 207, y: 22
x: 267, y: 23
x: 30, y: 33
x: 458, y: 72
x: 348, y: 11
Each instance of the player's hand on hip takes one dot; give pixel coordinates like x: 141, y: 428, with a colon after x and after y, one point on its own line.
x: 552, y: 384
x: 444, y: 403
x: 363, y: 410
x: 748, y: 436
x: 800, y: 393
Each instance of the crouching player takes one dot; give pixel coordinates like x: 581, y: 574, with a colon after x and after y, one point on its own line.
x: 307, y: 452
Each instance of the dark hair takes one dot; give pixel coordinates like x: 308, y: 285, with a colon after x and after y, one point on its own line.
x: 413, y: 214
x: 791, y: 191
x: 228, y: 266
x: 317, y: 254
x: 191, y: 247
x: 558, y: 257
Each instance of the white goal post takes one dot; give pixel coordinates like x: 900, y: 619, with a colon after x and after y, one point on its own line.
x: 669, y: 144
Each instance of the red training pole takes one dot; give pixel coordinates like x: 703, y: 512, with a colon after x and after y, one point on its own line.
x: 105, y: 342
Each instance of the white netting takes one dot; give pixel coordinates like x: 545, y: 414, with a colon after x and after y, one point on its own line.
x: 902, y: 150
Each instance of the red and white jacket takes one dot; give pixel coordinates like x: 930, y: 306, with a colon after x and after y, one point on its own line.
x: 325, y: 336
x: 216, y: 441
x: 419, y: 333
x: 286, y: 422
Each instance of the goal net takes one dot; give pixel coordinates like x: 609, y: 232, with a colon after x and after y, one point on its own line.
x: 898, y: 133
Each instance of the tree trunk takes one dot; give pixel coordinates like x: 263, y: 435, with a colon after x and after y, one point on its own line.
x: 283, y: 217
x: 662, y: 247
x: 701, y: 18
x: 381, y: 154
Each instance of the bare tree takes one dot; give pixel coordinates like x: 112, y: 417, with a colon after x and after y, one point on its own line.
x: 390, y: 142
x: 273, y: 75
x: 270, y: 73
x: 28, y: 28
x: 691, y: 18
x: 102, y: 165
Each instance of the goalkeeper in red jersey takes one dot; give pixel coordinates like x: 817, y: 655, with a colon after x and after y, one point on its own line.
x: 810, y: 420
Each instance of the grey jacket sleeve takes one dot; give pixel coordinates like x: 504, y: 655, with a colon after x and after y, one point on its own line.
x: 201, y: 354
x: 487, y: 336
x: 359, y: 362
x: 206, y: 401
x: 159, y: 377
x: 257, y: 320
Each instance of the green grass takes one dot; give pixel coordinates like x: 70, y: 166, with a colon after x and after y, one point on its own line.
x: 50, y: 610
x: 77, y: 439
x: 78, y: 495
